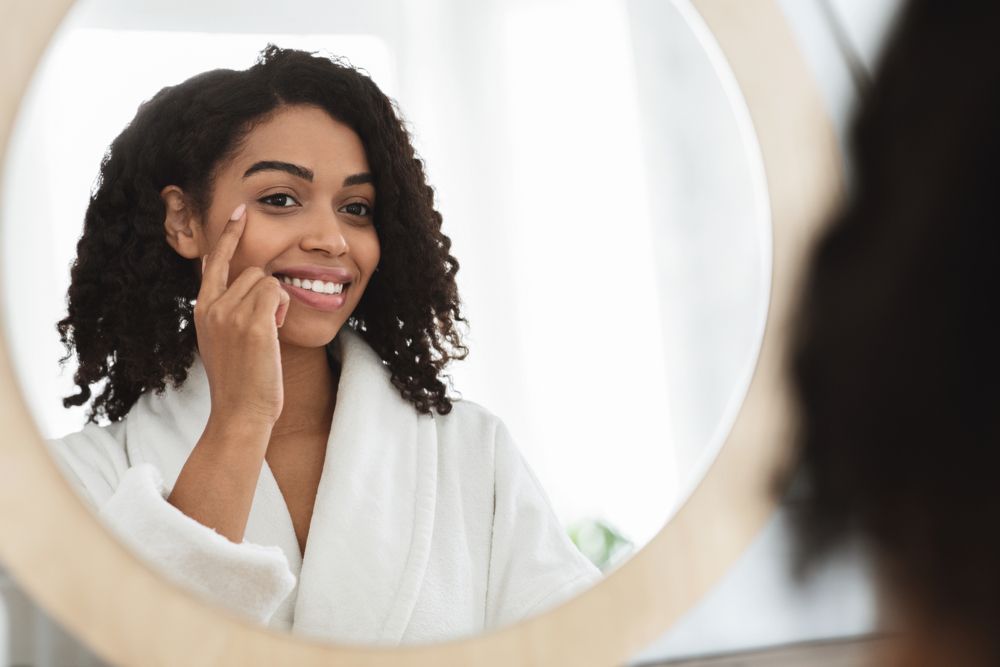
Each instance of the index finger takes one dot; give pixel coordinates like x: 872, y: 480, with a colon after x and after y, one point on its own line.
x: 215, y: 276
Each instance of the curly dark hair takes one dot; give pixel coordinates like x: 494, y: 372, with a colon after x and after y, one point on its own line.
x: 130, y: 312
x: 896, y: 358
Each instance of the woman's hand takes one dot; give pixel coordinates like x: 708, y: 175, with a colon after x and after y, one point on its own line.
x: 237, y: 330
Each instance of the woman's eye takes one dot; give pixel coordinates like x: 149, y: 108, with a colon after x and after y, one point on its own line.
x: 276, y: 199
x: 358, y: 209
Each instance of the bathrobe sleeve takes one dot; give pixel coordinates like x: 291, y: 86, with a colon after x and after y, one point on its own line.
x: 248, y: 579
x: 533, y: 563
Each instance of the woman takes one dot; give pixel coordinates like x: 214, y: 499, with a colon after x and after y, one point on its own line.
x: 265, y: 240
x: 897, y: 362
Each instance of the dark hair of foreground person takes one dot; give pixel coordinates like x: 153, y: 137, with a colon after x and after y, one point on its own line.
x: 896, y: 355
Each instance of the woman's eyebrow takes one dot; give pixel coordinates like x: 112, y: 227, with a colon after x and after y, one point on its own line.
x: 358, y: 179
x: 274, y: 165
x: 303, y: 173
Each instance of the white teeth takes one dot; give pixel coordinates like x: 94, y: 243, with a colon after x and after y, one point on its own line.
x: 318, y: 286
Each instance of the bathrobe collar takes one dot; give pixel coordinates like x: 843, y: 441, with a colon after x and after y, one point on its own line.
x: 370, y: 534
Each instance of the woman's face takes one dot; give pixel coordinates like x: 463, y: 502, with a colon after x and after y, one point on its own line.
x: 310, y: 199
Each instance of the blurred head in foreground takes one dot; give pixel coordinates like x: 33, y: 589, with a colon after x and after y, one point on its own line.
x: 897, y: 355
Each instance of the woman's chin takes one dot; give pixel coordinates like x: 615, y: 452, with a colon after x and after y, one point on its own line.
x: 311, y: 337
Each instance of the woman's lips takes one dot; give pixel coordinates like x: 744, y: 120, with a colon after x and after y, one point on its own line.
x: 327, y: 302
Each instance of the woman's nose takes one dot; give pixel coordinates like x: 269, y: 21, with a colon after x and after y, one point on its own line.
x: 326, y: 234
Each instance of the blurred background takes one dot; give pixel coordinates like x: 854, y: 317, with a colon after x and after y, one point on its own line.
x: 756, y: 607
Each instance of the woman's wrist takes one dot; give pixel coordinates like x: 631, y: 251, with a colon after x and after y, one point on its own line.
x: 216, y: 485
x: 242, y: 433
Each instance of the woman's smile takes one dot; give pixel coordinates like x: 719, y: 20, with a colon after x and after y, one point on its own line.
x: 316, y: 294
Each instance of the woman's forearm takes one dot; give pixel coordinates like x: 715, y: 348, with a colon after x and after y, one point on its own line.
x: 217, y: 483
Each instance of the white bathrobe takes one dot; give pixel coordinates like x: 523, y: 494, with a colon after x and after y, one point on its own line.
x: 425, y: 527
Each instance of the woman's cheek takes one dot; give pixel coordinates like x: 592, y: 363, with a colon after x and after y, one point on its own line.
x: 263, y: 235
x: 372, y: 247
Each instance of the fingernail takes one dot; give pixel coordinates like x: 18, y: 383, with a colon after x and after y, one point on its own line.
x: 204, y: 259
x: 238, y: 213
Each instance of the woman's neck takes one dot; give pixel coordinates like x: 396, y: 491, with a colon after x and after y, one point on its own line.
x: 310, y: 391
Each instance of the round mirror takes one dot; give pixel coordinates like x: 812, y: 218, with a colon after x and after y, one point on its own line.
x: 609, y: 215
x: 605, y: 197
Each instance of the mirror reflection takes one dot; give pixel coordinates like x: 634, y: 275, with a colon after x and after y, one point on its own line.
x: 476, y: 309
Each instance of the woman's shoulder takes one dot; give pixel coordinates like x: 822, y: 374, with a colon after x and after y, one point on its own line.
x: 468, y: 414
x: 93, y: 458
x: 472, y: 423
x: 472, y: 431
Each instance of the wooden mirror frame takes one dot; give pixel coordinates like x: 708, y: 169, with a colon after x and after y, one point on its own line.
x: 70, y: 564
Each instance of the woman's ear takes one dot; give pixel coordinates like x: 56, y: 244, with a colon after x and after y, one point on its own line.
x: 182, y: 228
